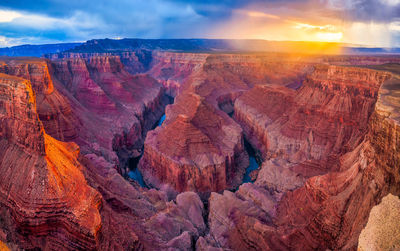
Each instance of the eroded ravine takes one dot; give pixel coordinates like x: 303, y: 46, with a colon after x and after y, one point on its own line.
x: 134, y: 172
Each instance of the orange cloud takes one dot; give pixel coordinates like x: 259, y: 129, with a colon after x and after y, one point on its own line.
x: 258, y: 14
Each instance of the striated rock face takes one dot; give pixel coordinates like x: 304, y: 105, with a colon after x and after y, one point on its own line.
x: 329, y: 210
x: 44, y: 196
x: 302, y: 133
x: 198, y: 148
x: 174, y: 69
x: 134, y: 61
x: 53, y: 108
x: 115, y: 108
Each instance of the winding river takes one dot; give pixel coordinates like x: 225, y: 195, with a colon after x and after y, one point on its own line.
x: 134, y: 172
x: 253, y: 162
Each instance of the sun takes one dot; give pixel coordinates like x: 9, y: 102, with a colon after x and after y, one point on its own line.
x: 329, y: 36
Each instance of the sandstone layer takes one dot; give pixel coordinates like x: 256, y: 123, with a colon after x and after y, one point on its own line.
x: 196, y: 149
x: 115, y: 108
x: 44, y: 197
x: 330, y: 209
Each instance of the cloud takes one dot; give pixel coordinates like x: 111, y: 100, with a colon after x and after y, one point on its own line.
x: 25, y: 21
x: 82, y: 20
x: 8, y: 16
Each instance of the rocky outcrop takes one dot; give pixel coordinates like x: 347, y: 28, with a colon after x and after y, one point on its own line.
x: 136, y: 218
x: 198, y: 148
x: 53, y: 108
x: 382, y: 229
x: 44, y: 197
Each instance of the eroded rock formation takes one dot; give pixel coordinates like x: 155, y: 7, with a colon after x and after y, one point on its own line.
x: 45, y: 199
x: 115, y: 108
x: 52, y: 197
x: 305, y: 131
x: 329, y: 210
x: 198, y: 148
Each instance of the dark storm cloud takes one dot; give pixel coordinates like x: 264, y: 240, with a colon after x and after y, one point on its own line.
x: 373, y: 10
x: 57, y: 8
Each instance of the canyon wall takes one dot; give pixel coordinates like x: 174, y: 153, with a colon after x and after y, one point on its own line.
x: 302, y: 133
x: 44, y: 197
x: 53, y: 197
x: 199, y: 147
x: 115, y: 108
x: 327, y: 210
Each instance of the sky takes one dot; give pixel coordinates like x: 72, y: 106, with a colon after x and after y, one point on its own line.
x: 374, y: 23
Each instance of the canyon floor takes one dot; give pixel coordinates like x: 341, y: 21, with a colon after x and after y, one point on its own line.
x: 111, y: 146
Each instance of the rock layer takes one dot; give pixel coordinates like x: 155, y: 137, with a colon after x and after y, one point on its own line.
x: 48, y: 199
x: 115, y: 108
x: 199, y: 148
x: 329, y: 210
x: 302, y: 133
x: 196, y: 149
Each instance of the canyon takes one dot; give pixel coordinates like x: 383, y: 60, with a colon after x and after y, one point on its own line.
x: 127, y: 147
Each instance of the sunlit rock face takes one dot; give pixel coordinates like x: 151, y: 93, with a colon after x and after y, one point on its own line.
x: 44, y: 197
x: 53, y: 108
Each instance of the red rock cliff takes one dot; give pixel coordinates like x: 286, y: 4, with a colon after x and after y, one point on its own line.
x: 329, y: 210
x: 302, y: 133
x: 44, y: 197
x: 115, y: 108
x: 197, y: 149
